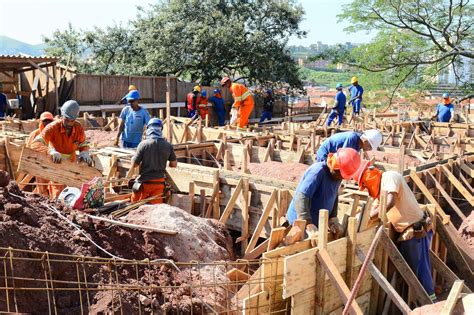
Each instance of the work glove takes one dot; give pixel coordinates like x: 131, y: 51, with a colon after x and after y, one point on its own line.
x: 55, y: 155
x: 312, y: 232
x: 233, y: 115
x: 84, y: 156
x: 336, y: 228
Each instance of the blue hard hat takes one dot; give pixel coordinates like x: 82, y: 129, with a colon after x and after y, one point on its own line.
x: 133, y: 95
x: 445, y: 95
x: 155, y: 122
x: 217, y: 91
x: 339, y: 86
x: 204, y: 93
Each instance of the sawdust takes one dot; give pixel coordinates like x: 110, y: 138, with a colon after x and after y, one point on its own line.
x: 101, y: 139
x: 291, y: 172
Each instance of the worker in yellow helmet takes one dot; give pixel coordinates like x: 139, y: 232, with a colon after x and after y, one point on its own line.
x: 356, y: 91
x: 193, y: 99
x: 123, y: 100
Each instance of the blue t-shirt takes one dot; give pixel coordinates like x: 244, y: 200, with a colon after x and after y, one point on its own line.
x: 3, y: 104
x: 340, y: 101
x: 347, y: 139
x: 356, y: 90
x: 134, y: 122
x: 445, y: 112
x: 318, y: 185
x: 218, y: 103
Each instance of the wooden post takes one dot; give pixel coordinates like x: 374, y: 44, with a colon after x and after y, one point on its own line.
x: 245, y: 160
x: 56, y: 90
x: 351, y: 245
x: 245, y: 215
x: 168, y: 110
x: 191, y: 196
x: 227, y: 165
x: 320, y: 275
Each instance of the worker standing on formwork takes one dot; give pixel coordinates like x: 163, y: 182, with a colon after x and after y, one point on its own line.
x: 318, y: 190
x: 445, y: 111
x: 218, y: 102
x: 203, y: 105
x: 123, y: 100
x: 133, y: 121
x: 268, y: 102
x: 192, y: 101
x: 61, y: 138
x: 339, y: 107
x: 45, y: 119
x: 151, y: 156
x: 404, y: 213
x: 369, y: 140
x: 243, y: 101
x: 356, y: 91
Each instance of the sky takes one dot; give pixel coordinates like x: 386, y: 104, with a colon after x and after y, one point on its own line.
x: 29, y: 20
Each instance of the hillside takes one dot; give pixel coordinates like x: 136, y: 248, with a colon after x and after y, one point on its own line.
x: 10, y: 46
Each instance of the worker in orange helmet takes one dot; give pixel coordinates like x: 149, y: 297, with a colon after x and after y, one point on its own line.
x: 243, y: 101
x: 45, y: 119
x: 61, y: 138
x: 318, y: 189
x: 414, y: 226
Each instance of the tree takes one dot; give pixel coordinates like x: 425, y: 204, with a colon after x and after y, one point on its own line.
x: 416, y: 39
x: 202, y: 40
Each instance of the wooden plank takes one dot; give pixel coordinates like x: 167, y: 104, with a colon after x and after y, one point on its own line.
x: 447, y: 197
x: 237, y: 275
x: 257, y: 304
x: 323, y: 228
x: 67, y: 173
x: 276, y: 236
x: 351, y: 244
x: 245, y: 215
x: 296, y: 233
x: 453, y: 297
x: 337, y: 280
x: 230, y: 205
x: 458, y: 185
x: 261, y: 222
x: 446, y: 274
x: 404, y: 270
x: 299, y: 272
x: 251, y: 287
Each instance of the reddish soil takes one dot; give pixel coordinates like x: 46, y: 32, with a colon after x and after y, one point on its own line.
x: 291, y: 172
x: 100, y: 138
x: 437, y: 307
x: 393, y: 158
x: 466, y: 231
x: 27, y: 223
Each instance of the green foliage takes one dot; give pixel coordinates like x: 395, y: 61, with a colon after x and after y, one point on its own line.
x: 327, y: 78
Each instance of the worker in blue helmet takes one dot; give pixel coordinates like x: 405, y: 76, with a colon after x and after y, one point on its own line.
x: 268, y: 102
x: 218, y: 103
x: 133, y: 121
x: 445, y: 111
x: 152, y: 156
x: 338, y: 108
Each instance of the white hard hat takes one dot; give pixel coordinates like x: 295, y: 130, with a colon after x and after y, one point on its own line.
x: 374, y: 137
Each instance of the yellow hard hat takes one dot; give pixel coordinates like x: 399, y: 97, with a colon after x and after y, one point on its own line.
x: 197, y: 88
x: 354, y: 80
x: 132, y: 87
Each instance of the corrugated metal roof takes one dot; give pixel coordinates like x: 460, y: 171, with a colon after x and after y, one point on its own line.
x: 27, y: 57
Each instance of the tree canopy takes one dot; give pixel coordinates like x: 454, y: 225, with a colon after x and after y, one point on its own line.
x: 198, y: 40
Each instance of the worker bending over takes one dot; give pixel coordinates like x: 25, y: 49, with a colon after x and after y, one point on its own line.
x: 133, y: 121
x: 369, y: 140
x: 404, y: 213
x: 45, y: 119
x: 218, y: 102
x: 131, y: 88
x: 202, y: 106
x: 243, y: 101
x: 268, y: 102
x: 356, y: 91
x: 318, y: 190
x: 339, y: 107
x: 151, y: 156
x: 61, y: 138
x: 445, y: 111
x: 193, y: 99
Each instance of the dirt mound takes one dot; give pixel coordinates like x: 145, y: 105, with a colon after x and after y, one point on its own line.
x: 466, y: 231
x: 291, y: 172
x: 436, y: 308
x: 100, y: 139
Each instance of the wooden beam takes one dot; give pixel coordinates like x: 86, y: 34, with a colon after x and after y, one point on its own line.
x: 230, y: 205
x: 319, y: 288
x: 447, y: 197
x: 458, y: 185
x: 276, y: 236
x: 444, y: 272
x: 41, y: 70
x: 351, y: 245
x: 453, y: 297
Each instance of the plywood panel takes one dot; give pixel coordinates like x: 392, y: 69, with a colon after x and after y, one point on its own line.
x: 87, y: 88
x: 114, y: 88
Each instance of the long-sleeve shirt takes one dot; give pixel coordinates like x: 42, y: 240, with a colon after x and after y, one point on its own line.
x: 240, y: 94
x: 347, y: 139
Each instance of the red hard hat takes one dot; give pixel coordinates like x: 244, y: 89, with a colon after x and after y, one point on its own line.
x: 46, y: 116
x: 349, y: 162
x: 225, y: 80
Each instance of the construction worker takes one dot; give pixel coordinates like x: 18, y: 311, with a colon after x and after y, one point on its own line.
x: 404, y: 213
x: 151, y: 156
x: 3, y: 103
x: 202, y: 106
x: 134, y: 119
x: 45, y: 119
x: 193, y: 100
x: 218, y: 102
x: 318, y: 190
x: 61, y: 138
x: 123, y: 100
x: 268, y: 101
x: 369, y: 140
x: 339, y: 107
x: 356, y: 91
x: 445, y: 111
x: 243, y: 101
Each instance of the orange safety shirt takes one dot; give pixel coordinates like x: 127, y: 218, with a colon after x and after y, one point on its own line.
x: 240, y: 94
x: 54, y: 135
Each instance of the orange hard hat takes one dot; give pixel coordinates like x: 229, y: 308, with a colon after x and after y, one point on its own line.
x: 46, y: 116
x: 225, y: 80
x: 348, y: 161
x: 368, y: 178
